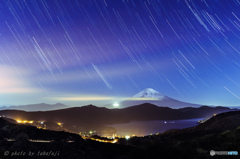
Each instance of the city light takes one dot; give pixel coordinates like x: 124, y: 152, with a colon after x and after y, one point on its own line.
x: 25, y: 121
x: 114, y: 141
x: 60, y: 124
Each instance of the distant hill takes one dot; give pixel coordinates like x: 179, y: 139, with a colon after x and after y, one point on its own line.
x: 103, y: 116
x: 36, y: 107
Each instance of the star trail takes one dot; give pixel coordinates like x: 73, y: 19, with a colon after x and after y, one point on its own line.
x: 104, y: 50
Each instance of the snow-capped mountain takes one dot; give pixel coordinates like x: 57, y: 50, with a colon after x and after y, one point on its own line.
x: 152, y: 96
x: 150, y: 93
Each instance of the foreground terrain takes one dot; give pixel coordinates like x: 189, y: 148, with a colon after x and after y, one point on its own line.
x: 220, y: 133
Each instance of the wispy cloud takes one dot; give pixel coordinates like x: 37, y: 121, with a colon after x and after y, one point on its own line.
x: 141, y: 99
x: 14, y: 80
x: 83, y: 98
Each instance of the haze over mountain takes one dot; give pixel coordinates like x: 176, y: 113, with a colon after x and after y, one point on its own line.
x: 152, y: 96
x: 36, y: 107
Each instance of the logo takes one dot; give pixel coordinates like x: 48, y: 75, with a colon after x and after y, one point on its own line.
x: 213, y: 153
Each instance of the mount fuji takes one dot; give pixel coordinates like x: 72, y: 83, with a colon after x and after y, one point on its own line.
x: 152, y: 96
x: 149, y: 93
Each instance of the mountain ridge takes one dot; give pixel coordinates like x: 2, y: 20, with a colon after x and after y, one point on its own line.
x: 150, y: 93
x: 36, y: 107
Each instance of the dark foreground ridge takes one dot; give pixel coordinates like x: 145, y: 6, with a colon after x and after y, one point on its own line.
x: 220, y: 133
x: 20, y: 141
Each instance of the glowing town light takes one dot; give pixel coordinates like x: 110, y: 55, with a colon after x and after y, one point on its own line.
x: 25, y: 121
x: 115, y: 105
x: 42, y: 122
x: 127, y: 137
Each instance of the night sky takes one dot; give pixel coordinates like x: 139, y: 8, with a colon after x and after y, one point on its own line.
x: 79, y: 52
